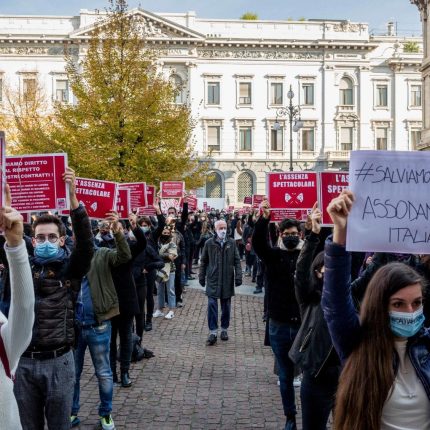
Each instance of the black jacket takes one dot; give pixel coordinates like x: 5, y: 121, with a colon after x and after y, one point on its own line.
x: 281, y: 264
x: 312, y: 346
x: 220, y: 268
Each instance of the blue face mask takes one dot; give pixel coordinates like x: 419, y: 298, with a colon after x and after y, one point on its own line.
x: 46, y: 250
x: 406, y: 324
x: 145, y: 229
x: 221, y: 234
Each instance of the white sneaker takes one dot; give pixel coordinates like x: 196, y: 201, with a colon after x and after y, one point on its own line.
x: 297, y: 381
x: 107, y: 422
x: 279, y: 382
x: 157, y: 314
x: 170, y: 315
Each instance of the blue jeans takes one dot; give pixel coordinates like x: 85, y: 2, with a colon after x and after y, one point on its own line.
x: 213, y: 313
x: 171, y: 296
x: 98, y: 341
x: 281, y: 340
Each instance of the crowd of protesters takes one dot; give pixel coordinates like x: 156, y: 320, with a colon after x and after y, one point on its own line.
x: 351, y: 323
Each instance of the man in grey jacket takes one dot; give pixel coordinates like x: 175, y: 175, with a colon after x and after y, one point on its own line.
x: 220, y: 271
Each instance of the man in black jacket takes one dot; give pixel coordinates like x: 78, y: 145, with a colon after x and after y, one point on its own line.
x: 220, y: 270
x: 282, y: 308
x: 46, y: 372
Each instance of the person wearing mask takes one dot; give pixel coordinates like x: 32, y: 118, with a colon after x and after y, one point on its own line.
x: 15, y: 330
x: 45, y: 377
x: 385, y: 379
x: 97, y: 303
x: 220, y: 271
x: 282, y: 307
x: 313, y: 350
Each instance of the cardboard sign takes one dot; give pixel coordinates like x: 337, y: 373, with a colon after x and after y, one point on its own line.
x: 172, y: 189
x: 137, y: 194
x: 150, y: 195
x: 257, y: 199
x: 123, y: 202
x: 291, y: 194
x: 247, y: 200
x: 98, y: 197
x: 36, y: 182
x: 192, y: 202
x: 391, y: 211
x: 331, y: 184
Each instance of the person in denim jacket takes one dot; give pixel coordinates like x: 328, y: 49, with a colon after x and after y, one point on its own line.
x: 385, y: 382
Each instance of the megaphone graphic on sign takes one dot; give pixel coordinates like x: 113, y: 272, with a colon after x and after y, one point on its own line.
x: 287, y: 197
x: 94, y: 206
x: 300, y: 197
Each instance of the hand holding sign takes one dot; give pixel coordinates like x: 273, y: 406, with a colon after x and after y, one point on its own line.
x: 339, y: 209
x: 70, y: 179
x: 11, y: 222
x: 133, y: 220
x: 265, y: 209
x: 316, y: 217
x: 113, y: 219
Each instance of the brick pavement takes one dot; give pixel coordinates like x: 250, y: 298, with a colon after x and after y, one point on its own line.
x: 191, y: 386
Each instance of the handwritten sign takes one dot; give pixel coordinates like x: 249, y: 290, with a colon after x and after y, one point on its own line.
x: 291, y: 194
x: 172, y: 189
x: 36, y: 182
x: 123, y: 202
x: 331, y: 184
x: 98, y: 197
x: 391, y: 211
x: 165, y: 204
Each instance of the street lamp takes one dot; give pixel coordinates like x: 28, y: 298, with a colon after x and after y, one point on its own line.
x: 293, y: 114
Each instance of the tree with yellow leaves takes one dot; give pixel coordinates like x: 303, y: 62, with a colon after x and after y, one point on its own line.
x: 125, y: 125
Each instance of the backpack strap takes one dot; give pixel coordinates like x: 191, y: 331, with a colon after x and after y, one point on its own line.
x: 3, y: 357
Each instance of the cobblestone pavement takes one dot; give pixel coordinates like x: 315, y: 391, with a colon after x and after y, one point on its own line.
x: 188, y: 385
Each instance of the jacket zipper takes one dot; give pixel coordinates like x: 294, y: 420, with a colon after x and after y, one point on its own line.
x: 324, y: 362
x: 305, y: 339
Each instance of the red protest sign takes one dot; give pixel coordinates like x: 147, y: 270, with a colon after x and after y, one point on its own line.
x: 137, y: 194
x: 36, y: 182
x: 330, y: 185
x: 123, y: 205
x: 192, y: 202
x: 150, y: 195
x: 205, y: 206
x: 98, y: 197
x: 257, y: 199
x: 172, y: 189
x: 3, y: 165
x: 247, y: 200
x: 291, y: 194
x: 147, y: 211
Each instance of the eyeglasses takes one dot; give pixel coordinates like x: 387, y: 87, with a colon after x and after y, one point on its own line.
x: 52, y: 237
x: 294, y: 233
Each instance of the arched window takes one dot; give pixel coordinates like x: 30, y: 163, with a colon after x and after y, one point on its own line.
x: 245, y: 186
x: 346, y: 92
x: 177, y: 82
x: 213, y: 186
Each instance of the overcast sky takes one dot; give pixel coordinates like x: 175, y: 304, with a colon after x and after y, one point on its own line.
x: 375, y: 12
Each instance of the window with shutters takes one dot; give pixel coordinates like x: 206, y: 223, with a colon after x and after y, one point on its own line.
x: 415, y: 95
x: 178, y: 84
x: 415, y: 138
x: 308, y: 139
x: 381, y: 97
x: 29, y: 89
x: 245, y: 186
x: 213, y: 93
x: 381, y: 138
x: 214, y: 134
x: 214, y: 186
x: 346, y: 92
x: 276, y: 93
x: 245, y: 139
x: 308, y: 94
x: 277, y: 139
x: 245, y: 96
x: 346, y: 134
x: 62, y: 90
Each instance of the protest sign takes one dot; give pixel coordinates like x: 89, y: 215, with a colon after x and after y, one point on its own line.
x: 2, y: 166
x: 150, y: 195
x: 331, y: 184
x: 137, y: 194
x: 172, y: 189
x: 192, y: 202
x: 247, y: 200
x: 36, y: 182
x: 291, y: 194
x: 97, y: 196
x: 123, y: 202
x: 170, y: 203
x: 391, y: 211
x: 205, y: 206
x: 147, y: 211
x: 257, y: 199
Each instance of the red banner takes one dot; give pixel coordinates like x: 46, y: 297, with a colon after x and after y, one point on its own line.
x: 294, y: 193
x: 330, y: 185
x: 150, y: 195
x: 137, y: 194
x: 172, y: 189
x: 247, y: 200
x: 257, y: 199
x: 36, y: 182
x: 192, y: 202
x: 97, y: 196
x: 123, y: 205
x: 147, y: 211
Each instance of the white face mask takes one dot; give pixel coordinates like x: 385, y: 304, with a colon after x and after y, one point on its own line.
x: 221, y: 234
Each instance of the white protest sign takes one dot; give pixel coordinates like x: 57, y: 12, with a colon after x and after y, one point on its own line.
x: 391, y: 211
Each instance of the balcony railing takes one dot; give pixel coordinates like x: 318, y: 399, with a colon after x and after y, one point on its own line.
x: 338, y: 155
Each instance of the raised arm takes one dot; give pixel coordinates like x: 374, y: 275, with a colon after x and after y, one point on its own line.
x: 260, y: 241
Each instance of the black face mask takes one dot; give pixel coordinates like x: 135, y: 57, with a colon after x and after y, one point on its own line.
x: 165, y: 238
x: 290, y: 242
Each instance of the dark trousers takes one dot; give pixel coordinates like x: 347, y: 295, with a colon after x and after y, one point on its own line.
x: 178, y: 284
x: 317, y: 397
x: 190, y: 258
x: 261, y: 269
x: 282, y: 336
x: 122, y: 325
x: 145, y: 295
x: 213, y: 313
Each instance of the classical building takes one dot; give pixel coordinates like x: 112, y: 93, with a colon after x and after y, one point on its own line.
x: 353, y: 90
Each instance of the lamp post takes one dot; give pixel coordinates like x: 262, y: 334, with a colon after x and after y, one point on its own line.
x: 293, y: 114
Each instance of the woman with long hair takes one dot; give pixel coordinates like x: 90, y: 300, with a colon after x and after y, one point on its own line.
x: 385, y: 382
